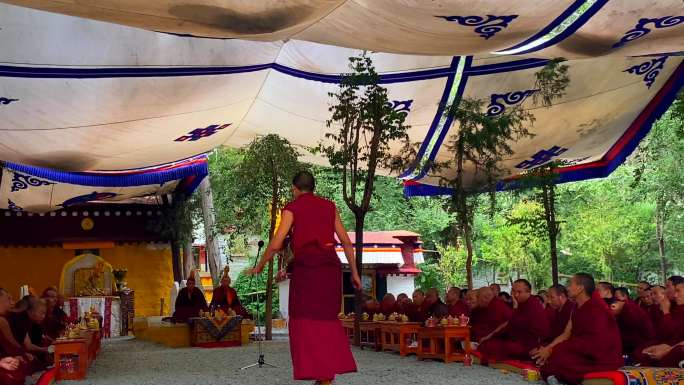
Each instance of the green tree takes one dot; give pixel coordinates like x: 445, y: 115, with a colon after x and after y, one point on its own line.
x: 262, y: 179
x: 365, y: 122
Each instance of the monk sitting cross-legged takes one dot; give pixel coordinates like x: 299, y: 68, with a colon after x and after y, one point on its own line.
x: 491, y: 313
x: 225, y: 298
x: 670, y: 332
x: 590, y: 343
x: 14, y: 361
x: 559, y: 311
x: 388, y: 305
x: 190, y: 302
x: 635, y: 325
x: 525, y: 330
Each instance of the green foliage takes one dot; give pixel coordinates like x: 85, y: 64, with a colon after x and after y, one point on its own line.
x: 366, y: 122
x: 247, y: 284
x: 178, y: 219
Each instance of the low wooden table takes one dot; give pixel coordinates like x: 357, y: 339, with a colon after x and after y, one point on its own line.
x: 444, y: 343
x: 370, y: 333
x: 74, y: 356
x: 398, y: 336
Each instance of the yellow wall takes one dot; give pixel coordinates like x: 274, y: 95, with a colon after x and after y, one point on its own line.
x: 150, y: 272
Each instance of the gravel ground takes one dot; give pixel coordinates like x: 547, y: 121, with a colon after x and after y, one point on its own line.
x: 129, y: 361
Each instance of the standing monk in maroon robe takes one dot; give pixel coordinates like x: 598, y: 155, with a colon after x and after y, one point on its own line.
x: 527, y: 328
x: 456, y: 305
x: 590, y: 343
x: 559, y: 311
x: 491, y: 313
x: 318, y: 345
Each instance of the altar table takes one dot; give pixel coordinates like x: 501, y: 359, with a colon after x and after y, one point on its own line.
x: 109, y: 308
x: 446, y: 343
x: 74, y: 356
x: 401, y: 337
x: 370, y: 333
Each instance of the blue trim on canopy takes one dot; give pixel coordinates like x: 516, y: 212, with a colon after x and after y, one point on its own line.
x: 134, y: 72
x: 440, y: 110
x: 418, y: 189
x: 577, y: 24
x: 149, y: 177
x: 516, y: 65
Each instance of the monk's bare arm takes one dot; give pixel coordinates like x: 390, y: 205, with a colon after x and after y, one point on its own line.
x: 30, y: 347
x: 562, y: 337
x: 276, y: 243
x: 346, y: 243
x: 493, y: 333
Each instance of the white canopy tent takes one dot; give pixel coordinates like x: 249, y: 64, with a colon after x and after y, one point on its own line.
x: 80, y: 94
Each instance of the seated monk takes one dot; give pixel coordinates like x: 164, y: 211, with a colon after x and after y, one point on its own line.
x: 524, y: 331
x: 590, y: 342
x: 404, y: 303
x: 559, y: 311
x: 606, y: 290
x: 635, y: 325
x: 13, y: 358
x: 226, y: 299
x: 496, y: 288
x: 418, y: 312
x: 388, y: 305
x: 641, y: 293
x: 491, y: 314
x: 622, y: 294
x: 55, y: 318
x: 666, y: 356
x: 645, y: 299
x: 25, y: 320
x: 506, y: 298
x: 371, y: 307
x: 457, y: 307
x: 660, y: 301
x: 434, y: 305
x: 190, y: 302
x: 670, y: 330
x: 670, y: 285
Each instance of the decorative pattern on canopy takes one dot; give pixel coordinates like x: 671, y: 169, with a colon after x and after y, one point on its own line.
x: 79, y: 94
x: 36, y: 189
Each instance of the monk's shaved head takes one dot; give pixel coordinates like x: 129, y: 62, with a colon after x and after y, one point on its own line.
x: 471, y: 298
x: 485, y: 295
x: 585, y: 281
x: 304, y: 181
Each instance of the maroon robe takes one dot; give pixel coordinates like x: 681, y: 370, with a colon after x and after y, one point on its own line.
x: 489, y: 318
x: 669, y: 330
x: 594, y: 345
x: 635, y: 326
x: 12, y: 349
x: 55, y: 323
x: 318, y: 344
x: 458, y: 308
x: 559, y: 319
x: 388, y: 308
x: 419, y: 313
x: 225, y: 298
x: 189, y: 306
x: 526, y: 329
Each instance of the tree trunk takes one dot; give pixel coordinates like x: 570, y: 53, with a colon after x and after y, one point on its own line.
x: 188, y: 259
x: 552, y: 227
x: 358, y: 295
x: 268, y: 316
x: 176, y: 261
x: 213, y: 254
x: 469, y: 260
x: 660, y: 236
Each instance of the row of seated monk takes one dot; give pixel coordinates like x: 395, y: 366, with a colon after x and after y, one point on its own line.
x: 190, y: 301
x: 566, y: 331
x: 27, y: 329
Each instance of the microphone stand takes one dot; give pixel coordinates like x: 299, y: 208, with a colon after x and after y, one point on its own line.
x: 261, y: 362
